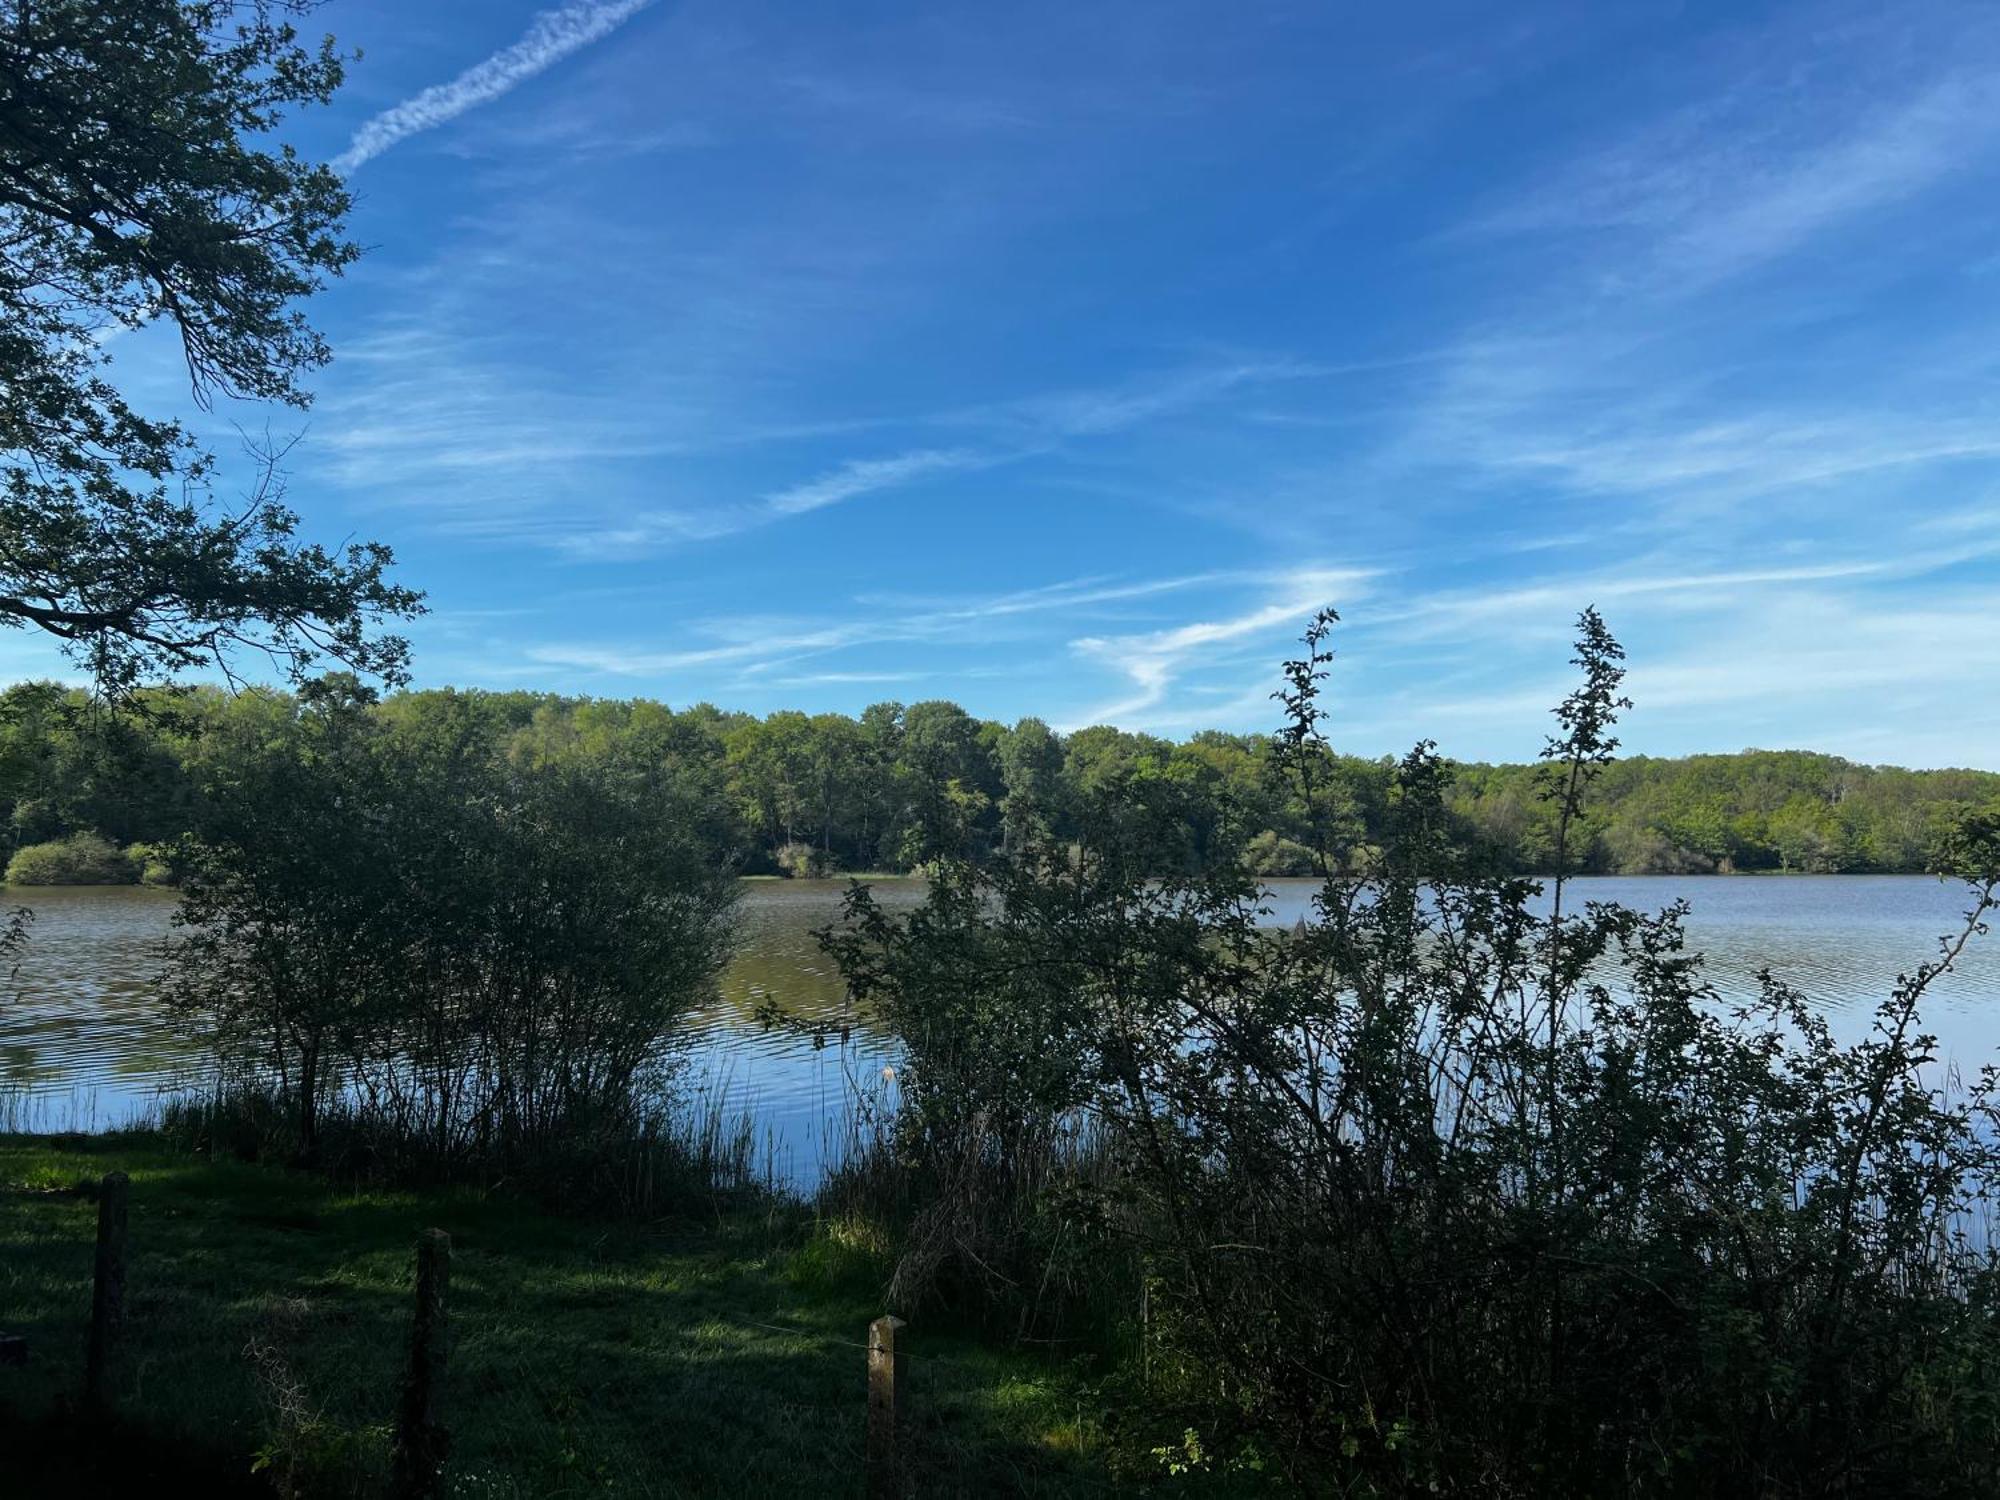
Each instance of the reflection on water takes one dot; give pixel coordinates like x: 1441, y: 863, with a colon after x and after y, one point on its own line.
x: 80, y: 1020
x: 83, y: 1034
x: 84, y: 1041
x: 1840, y: 939
x: 799, y: 1093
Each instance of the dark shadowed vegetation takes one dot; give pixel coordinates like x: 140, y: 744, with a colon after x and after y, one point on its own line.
x: 143, y: 186
x: 1452, y: 1189
x: 713, y: 1352
x: 475, y: 961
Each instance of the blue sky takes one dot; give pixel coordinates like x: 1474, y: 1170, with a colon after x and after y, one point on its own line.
x: 1061, y: 358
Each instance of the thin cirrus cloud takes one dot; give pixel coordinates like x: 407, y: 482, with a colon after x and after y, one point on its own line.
x: 1893, y: 156
x: 754, y: 644
x: 1153, y: 661
x: 654, y: 529
x: 1035, y: 427
x: 1703, y: 688
x: 864, y: 476
x: 1709, y: 344
x: 1774, y: 153
x: 1637, y: 366
x: 552, y: 36
x: 433, y: 405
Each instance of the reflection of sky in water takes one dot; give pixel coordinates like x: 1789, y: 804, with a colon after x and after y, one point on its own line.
x: 1841, y: 940
x: 85, y: 1037
x: 799, y: 1093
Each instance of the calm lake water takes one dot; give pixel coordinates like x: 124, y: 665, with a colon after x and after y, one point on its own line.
x: 85, y: 1045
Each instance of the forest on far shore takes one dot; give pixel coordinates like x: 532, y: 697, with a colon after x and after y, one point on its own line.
x: 91, y: 795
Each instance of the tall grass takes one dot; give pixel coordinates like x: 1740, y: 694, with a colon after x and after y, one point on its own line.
x: 26, y: 1111
x: 660, y: 1156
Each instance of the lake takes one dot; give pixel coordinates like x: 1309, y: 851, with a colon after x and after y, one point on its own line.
x: 83, y: 1044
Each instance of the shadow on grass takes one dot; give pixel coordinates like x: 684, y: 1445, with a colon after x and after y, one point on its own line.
x: 61, y: 1454
x: 681, y: 1357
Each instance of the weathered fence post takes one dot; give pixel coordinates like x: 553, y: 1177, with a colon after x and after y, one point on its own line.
x: 421, y: 1440
x: 107, y: 1296
x: 884, y: 1365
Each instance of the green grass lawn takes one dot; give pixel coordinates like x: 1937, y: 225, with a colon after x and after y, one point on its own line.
x: 716, y: 1356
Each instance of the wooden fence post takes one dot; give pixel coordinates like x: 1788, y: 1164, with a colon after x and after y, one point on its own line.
x: 107, y: 1296
x: 421, y: 1439
x: 884, y: 1365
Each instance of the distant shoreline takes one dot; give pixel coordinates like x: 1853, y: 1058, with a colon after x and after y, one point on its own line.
x: 912, y: 877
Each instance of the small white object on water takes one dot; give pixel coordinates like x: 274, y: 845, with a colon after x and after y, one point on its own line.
x: 888, y: 1075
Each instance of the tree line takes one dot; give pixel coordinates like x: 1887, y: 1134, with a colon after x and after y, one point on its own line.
x: 91, y: 795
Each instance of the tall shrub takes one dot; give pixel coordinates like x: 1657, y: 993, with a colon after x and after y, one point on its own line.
x: 477, y: 961
x: 1460, y: 1185
x: 80, y: 859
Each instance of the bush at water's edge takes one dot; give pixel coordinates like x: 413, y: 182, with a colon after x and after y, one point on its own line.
x: 80, y: 859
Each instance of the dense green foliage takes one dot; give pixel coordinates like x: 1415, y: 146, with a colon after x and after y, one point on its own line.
x: 479, y: 957
x: 1756, y: 810
x: 817, y: 795
x: 80, y: 859
x: 140, y: 188
x: 1452, y: 1189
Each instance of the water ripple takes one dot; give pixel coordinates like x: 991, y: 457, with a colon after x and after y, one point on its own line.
x: 85, y: 1026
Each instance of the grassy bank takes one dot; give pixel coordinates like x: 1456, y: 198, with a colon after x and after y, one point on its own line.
x: 268, y: 1311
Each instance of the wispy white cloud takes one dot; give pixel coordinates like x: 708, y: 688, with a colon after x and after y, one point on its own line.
x: 1153, y: 661
x: 1034, y: 426
x: 757, y: 653
x: 1550, y: 604
x: 1722, y: 657
x: 612, y: 540
x: 1800, y: 130
x: 774, y: 639
x: 450, y: 419
x: 866, y: 475
x: 1824, y: 656
x: 1070, y: 594
x: 1779, y: 669
x: 829, y: 679
x: 550, y: 37
x: 1647, y: 433
x: 1755, y: 452
x: 1887, y: 158
x: 1096, y: 411
x: 1635, y: 384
